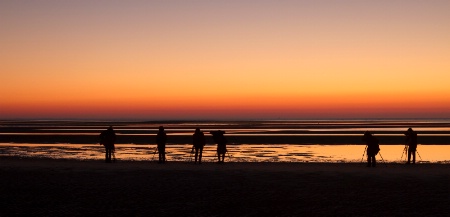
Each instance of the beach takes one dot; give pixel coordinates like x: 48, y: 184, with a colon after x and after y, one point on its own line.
x: 287, y: 168
x: 48, y: 187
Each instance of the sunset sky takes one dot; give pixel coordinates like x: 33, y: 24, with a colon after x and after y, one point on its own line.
x: 224, y: 59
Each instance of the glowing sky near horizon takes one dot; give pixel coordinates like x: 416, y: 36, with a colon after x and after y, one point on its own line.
x: 213, y: 59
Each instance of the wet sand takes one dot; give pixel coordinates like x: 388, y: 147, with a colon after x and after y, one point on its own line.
x: 45, y: 187
x: 288, y: 153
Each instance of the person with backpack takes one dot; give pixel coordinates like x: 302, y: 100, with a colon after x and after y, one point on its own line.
x: 411, y: 142
x: 221, y: 141
x: 161, y: 139
x: 107, y: 139
x: 372, y: 148
x: 198, y: 144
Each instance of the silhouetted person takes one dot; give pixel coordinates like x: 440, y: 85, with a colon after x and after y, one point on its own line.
x: 411, y: 142
x: 161, y: 139
x: 198, y: 144
x: 372, y: 148
x: 107, y: 139
x: 221, y: 141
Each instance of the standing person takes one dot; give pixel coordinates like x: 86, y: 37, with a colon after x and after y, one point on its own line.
x: 107, y: 139
x: 198, y: 144
x: 411, y: 142
x: 372, y: 148
x: 161, y: 139
x: 221, y: 141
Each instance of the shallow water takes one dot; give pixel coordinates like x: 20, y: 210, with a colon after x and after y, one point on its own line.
x: 307, y: 132
x: 236, y: 153
x: 249, y: 141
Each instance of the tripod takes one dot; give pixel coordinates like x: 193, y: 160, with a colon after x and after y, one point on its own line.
x: 405, y: 152
x: 223, y: 160
x: 379, y: 152
x: 419, y: 155
x: 362, y: 158
x: 190, y: 157
x: 113, y: 152
x: 229, y: 157
x: 153, y: 157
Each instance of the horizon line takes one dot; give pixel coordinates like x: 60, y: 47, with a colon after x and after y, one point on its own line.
x: 213, y: 120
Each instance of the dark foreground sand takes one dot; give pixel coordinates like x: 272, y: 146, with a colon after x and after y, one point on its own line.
x: 43, y: 187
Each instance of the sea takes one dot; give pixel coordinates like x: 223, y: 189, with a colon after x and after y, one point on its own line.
x: 303, y: 141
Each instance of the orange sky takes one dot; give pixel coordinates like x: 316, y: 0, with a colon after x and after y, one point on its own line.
x: 225, y: 60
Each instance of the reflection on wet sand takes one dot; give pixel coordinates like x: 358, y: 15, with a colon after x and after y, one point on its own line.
x: 236, y: 153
